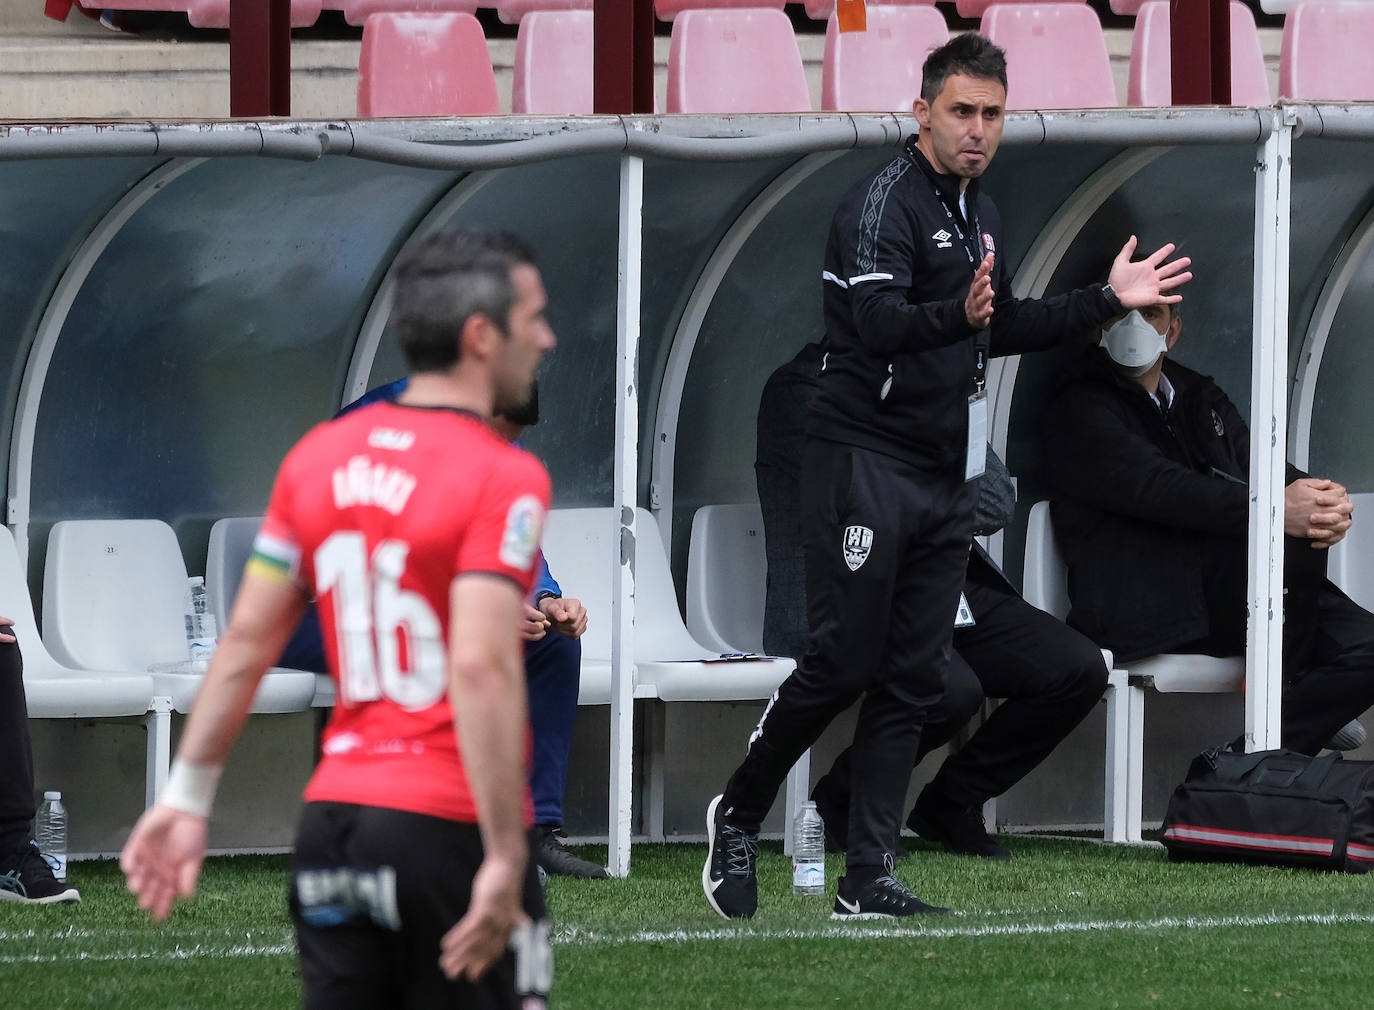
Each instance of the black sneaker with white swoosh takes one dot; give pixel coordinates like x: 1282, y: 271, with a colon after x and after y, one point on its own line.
x: 884, y: 897
x: 729, y: 878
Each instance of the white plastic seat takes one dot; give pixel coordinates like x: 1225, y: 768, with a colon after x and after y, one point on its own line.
x: 114, y: 597
x: 670, y: 664
x: 230, y: 547
x: 55, y: 691
x: 1046, y: 587
x: 727, y: 578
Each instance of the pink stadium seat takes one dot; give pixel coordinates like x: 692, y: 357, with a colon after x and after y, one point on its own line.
x: 1056, y: 55
x: 880, y: 69
x: 425, y: 65
x: 820, y: 10
x: 208, y: 13
x: 1129, y: 8
x: 1150, y: 47
x: 666, y: 10
x: 977, y: 8
x: 553, y: 64
x: 1326, y: 54
x: 356, y: 12
x: 511, y: 11
x: 735, y: 61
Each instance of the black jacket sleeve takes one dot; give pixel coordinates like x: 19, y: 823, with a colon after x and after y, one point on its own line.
x: 880, y: 285
x: 1033, y: 324
x: 1097, y: 455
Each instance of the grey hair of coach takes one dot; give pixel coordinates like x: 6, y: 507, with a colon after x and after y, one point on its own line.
x: 970, y: 54
x: 442, y: 281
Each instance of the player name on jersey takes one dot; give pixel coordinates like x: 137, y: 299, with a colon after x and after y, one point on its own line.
x: 360, y: 481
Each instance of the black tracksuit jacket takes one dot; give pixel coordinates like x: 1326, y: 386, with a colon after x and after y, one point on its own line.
x: 1138, y: 501
x: 895, y: 278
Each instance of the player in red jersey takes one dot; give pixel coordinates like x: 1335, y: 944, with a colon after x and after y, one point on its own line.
x: 416, y: 526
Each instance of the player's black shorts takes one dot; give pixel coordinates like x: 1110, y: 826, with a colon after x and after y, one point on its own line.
x: 372, y: 893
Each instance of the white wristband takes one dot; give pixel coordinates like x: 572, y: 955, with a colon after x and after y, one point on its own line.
x: 191, y: 787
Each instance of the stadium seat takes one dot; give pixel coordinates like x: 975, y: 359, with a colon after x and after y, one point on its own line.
x: 739, y: 61
x: 511, y: 11
x: 667, y: 10
x: 670, y: 665
x: 114, y: 598
x: 208, y: 13
x: 979, y: 8
x: 356, y: 12
x: 879, y: 69
x: 230, y: 547
x: 1056, y: 55
x: 727, y: 578
x: 1045, y: 581
x: 820, y: 10
x: 553, y: 64
x: 55, y: 691
x: 1149, y: 82
x: 425, y: 65
x: 1326, y: 52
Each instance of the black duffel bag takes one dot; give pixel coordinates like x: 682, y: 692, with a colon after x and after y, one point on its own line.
x: 1275, y: 807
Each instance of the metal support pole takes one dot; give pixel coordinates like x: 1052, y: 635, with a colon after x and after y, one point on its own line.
x: 1268, y: 437
x: 626, y: 482
x: 260, y: 58
x: 1200, y: 41
x: 624, y: 57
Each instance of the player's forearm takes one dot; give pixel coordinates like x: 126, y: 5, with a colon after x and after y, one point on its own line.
x: 224, y: 699
x: 489, y: 710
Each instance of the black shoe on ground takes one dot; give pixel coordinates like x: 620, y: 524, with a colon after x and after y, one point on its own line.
x: 729, y: 877
x: 959, y: 829
x: 28, y: 879
x: 554, y: 857
x: 885, y: 897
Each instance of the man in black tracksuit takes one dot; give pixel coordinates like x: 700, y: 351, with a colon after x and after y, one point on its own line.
x: 1149, y: 487
x: 915, y: 300
x: 1048, y: 675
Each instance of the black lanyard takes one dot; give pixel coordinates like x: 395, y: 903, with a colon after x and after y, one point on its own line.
x: 969, y: 243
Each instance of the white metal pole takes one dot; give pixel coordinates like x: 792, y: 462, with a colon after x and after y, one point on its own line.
x: 625, y: 491
x: 1268, y: 437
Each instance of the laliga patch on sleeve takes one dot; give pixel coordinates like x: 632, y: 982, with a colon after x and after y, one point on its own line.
x: 524, y: 523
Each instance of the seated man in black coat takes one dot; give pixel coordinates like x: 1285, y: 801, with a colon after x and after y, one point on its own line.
x: 1148, y: 464
x: 1049, y: 675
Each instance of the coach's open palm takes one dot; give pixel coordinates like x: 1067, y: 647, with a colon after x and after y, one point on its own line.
x: 161, y: 861
x: 481, y: 936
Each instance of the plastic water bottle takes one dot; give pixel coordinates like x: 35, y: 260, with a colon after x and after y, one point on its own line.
x: 808, y: 851
x: 51, y: 833
x: 200, y: 626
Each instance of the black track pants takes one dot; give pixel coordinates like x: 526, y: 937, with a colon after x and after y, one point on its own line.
x: 886, y: 548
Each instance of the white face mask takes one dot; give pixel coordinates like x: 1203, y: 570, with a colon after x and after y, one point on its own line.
x: 1133, y: 343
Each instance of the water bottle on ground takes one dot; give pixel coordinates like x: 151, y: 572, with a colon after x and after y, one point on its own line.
x: 51, y: 833
x: 201, y: 631
x: 808, y: 851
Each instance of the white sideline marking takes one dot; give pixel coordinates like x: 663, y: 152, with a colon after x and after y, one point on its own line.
x: 191, y: 953
x: 575, y: 936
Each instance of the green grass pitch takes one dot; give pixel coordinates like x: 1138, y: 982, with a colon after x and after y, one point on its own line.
x: 1065, y: 924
